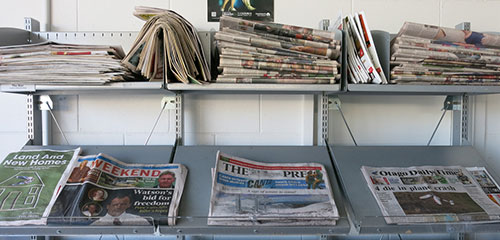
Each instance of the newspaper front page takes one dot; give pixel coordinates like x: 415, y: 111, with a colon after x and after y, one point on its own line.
x: 246, y: 192
x: 429, y: 194
x: 29, y: 182
x: 102, y: 190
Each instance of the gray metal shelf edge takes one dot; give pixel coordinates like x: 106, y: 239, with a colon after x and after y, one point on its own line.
x: 253, y: 88
x: 362, y: 206
x: 117, y: 87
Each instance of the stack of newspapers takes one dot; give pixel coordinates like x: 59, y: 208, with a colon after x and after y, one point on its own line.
x: 252, y: 52
x: 167, y: 48
x: 364, y: 64
x: 426, y: 54
x: 102, y: 190
x: 51, y: 63
x: 246, y: 192
x: 434, y: 194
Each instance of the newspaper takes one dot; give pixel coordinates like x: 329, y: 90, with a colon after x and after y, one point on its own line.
x: 420, y: 52
x: 105, y: 191
x: 292, y: 54
x: 487, y: 183
x: 30, y: 181
x: 288, y: 80
x: 366, y: 35
x: 449, y: 34
x: 322, y: 50
x: 167, y: 48
x: 429, y: 194
x: 51, y: 63
x: 277, y: 66
x: 361, y: 67
x: 246, y: 192
x: 277, y: 29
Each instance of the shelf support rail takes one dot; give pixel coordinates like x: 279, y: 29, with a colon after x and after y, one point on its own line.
x: 179, y: 119
x: 323, y: 111
x: 461, y: 121
x: 459, y: 105
x: 33, y: 137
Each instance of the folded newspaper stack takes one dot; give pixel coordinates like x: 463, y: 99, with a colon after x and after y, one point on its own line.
x: 167, y: 48
x: 62, y: 64
x: 252, y: 52
x: 426, y: 54
x: 246, y: 192
x: 30, y: 181
x: 363, y: 63
x: 102, y: 190
x: 432, y: 194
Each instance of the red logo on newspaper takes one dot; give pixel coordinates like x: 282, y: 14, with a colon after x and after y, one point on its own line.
x: 370, y: 69
x: 117, y: 171
x: 361, y: 53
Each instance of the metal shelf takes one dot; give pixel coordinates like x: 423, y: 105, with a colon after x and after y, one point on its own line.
x: 50, y: 230
x: 117, y: 87
x: 400, y: 89
x: 254, y: 88
x: 362, y: 206
x: 196, y: 197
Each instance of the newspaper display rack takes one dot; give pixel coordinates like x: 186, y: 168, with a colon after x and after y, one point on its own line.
x: 366, y: 214
x: 193, y: 213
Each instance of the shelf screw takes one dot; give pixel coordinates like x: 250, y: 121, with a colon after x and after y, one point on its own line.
x: 135, y: 231
x: 255, y: 231
x: 179, y: 231
x: 58, y: 231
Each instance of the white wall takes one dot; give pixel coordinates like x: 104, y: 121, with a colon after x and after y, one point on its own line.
x: 251, y: 119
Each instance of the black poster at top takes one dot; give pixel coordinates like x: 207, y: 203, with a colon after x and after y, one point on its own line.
x: 258, y: 10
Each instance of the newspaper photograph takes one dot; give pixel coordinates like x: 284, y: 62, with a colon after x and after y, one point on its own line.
x: 429, y: 194
x: 246, y: 192
x: 102, y: 190
x: 487, y: 183
x: 449, y: 34
x: 29, y: 184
